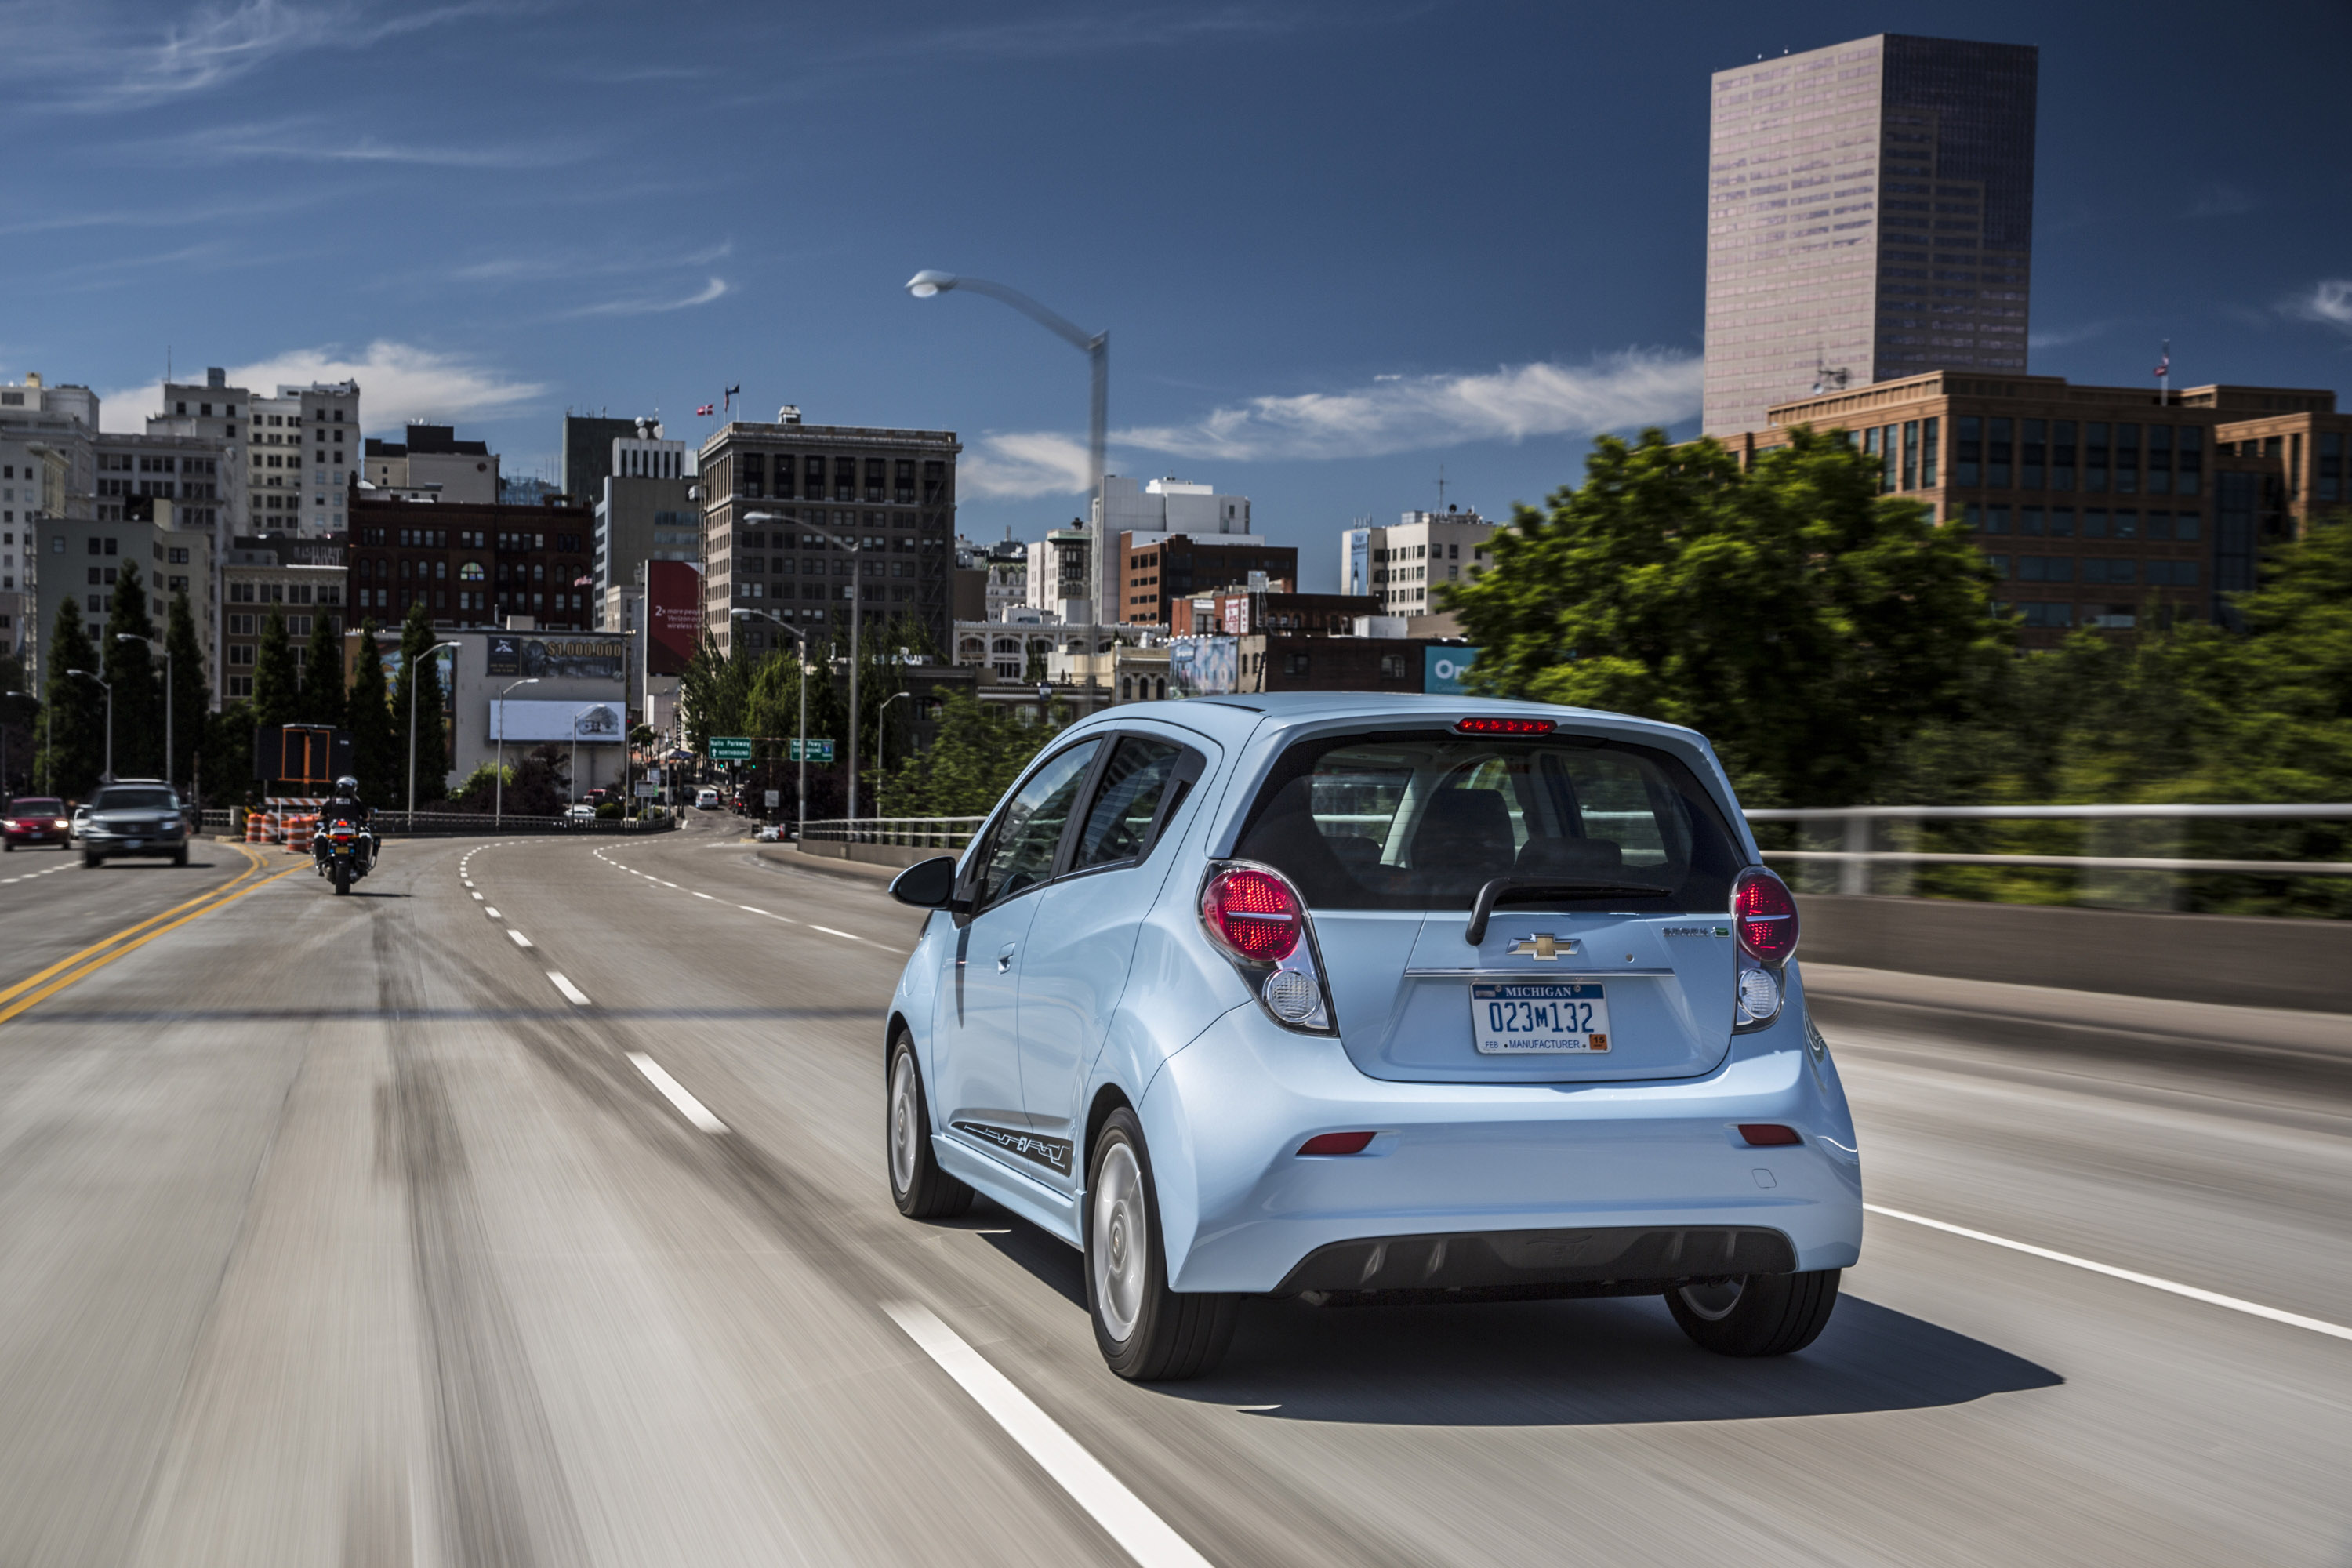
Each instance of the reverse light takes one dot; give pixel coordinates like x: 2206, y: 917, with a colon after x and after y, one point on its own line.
x: 1503, y: 726
x: 1324, y: 1143
x: 1768, y: 1134
x: 1759, y: 994
x: 1254, y: 915
x: 1764, y: 915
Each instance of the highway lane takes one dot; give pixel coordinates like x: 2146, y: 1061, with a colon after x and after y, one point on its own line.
x: 335, y: 1230
x: 51, y: 905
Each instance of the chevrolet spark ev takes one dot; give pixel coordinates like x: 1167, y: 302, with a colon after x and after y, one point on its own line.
x: 1367, y: 998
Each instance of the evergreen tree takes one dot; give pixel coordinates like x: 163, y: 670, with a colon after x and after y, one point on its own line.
x: 224, y: 768
x: 191, y: 693
x: 376, y: 756
x: 73, y: 731
x: 132, y: 668
x: 980, y: 751
x: 19, y: 728
x: 417, y: 699
x: 322, y: 675
x: 277, y: 682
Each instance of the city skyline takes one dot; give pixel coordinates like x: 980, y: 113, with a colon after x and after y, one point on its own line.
x: 560, y: 216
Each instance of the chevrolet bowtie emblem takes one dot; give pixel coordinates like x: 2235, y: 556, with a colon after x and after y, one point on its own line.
x: 1545, y: 946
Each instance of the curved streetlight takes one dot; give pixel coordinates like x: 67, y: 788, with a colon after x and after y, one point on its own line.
x: 170, y: 756
x: 1095, y: 346
x: 800, y: 806
x: 499, y: 776
x: 108, y: 774
x: 416, y: 672
x: 856, y: 629
x: 879, y: 733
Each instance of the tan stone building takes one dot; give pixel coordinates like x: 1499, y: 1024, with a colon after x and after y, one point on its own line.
x: 2100, y: 506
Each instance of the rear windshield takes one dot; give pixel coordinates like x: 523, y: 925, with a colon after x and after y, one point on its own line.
x: 1423, y: 820
x: 120, y: 799
x: 31, y: 807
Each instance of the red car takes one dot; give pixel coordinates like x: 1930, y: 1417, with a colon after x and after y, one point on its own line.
x: 35, y: 819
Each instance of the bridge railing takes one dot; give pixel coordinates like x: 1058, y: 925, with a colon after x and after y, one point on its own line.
x: 906, y: 832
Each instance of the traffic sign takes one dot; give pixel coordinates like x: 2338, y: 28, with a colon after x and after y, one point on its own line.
x: 818, y: 751
x: 730, y: 748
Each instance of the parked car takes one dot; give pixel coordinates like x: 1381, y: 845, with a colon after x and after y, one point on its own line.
x: 1362, y: 998
x: 582, y: 812
x: 36, y: 819
x: 74, y: 822
x: 707, y: 798
x: 140, y: 818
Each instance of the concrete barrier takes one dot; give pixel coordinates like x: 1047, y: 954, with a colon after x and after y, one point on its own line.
x: 2231, y: 961
x: 871, y: 854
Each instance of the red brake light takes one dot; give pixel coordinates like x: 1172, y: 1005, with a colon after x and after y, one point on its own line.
x: 1336, y: 1143
x: 1767, y: 1134
x: 1503, y: 726
x: 1764, y: 913
x: 1253, y: 914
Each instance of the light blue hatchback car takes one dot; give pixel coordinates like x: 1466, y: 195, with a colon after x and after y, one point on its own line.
x: 1360, y: 997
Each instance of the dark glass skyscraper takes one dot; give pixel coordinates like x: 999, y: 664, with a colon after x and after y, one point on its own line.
x: 1870, y: 216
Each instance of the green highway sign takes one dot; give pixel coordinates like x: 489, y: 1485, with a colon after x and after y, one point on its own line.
x: 730, y: 748
x: 818, y: 751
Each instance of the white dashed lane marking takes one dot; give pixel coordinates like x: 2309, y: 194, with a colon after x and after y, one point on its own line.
x: 830, y: 931
x: 519, y: 940
x: 693, y: 1110
x: 572, y: 994
x: 492, y: 913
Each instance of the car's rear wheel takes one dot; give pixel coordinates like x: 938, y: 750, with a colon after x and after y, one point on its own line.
x: 180, y: 856
x: 91, y: 860
x: 917, y: 1185
x: 1758, y: 1314
x: 1146, y: 1331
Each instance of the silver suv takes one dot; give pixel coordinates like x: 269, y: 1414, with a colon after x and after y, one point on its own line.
x: 135, y: 816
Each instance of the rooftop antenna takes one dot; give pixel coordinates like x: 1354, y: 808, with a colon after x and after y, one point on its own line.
x: 1440, y: 487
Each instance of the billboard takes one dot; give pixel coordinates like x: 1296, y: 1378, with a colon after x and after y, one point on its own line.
x: 1204, y: 667
x: 672, y: 616
x: 589, y: 723
x: 1443, y: 668
x: 555, y: 656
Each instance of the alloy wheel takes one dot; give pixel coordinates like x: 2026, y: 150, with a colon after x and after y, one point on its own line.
x: 1121, y: 1239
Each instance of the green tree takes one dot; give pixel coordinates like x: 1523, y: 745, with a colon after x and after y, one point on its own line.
x: 276, y: 681
x: 224, y: 766
x: 73, y: 730
x: 191, y: 692
x: 131, y: 666
x: 322, y: 675
x: 417, y: 699
x: 376, y: 745
x: 979, y: 753
x: 20, y: 729
x: 714, y: 695
x: 1802, y: 622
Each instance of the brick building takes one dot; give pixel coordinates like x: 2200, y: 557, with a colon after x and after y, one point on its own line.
x: 1157, y: 569
x: 471, y: 564
x: 1237, y: 612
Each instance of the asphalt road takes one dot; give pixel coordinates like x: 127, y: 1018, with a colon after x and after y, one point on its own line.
x: 340, y: 1231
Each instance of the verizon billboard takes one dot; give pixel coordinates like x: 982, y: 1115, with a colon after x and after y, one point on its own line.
x: 672, y: 616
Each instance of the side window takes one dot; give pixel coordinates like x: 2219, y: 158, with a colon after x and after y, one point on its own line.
x: 1021, y: 853
x: 1137, y: 780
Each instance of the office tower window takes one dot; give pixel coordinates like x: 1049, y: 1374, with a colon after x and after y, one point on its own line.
x: 2061, y: 522
x: 1996, y: 518
x: 2095, y: 523
x: 1967, y: 450
x: 2030, y: 520
x: 2187, y: 460
x: 2062, y: 454
x: 2032, y: 462
x: 2094, y: 459
x: 2126, y: 460
x: 1928, y: 453
x: 1998, y: 440
x: 2160, y: 460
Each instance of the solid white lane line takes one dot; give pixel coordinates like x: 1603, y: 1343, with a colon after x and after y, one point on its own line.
x: 519, y: 940
x: 492, y: 913
x: 665, y: 884
x: 572, y: 994
x: 702, y: 895
x: 693, y: 1110
x: 2210, y: 1298
x: 830, y: 931
x: 1144, y: 1536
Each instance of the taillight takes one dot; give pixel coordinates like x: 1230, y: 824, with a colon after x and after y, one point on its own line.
x: 1254, y: 915
x: 1764, y: 914
x: 1503, y: 726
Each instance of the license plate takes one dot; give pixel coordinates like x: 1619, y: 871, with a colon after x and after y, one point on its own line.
x: 1560, y: 1017
x: 132, y: 843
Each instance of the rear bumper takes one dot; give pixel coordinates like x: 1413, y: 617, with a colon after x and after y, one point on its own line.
x: 1525, y: 1184
x: 119, y: 849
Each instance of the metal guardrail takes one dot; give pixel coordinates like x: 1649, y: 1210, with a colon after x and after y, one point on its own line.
x: 459, y: 824
x: 912, y: 832
x: 1860, y: 824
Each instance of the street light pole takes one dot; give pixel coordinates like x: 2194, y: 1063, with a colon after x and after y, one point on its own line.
x: 1095, y: 346
x: 108, y: 774
x: 879, y: 733
x: 417, y: 672
x: 170, y: 756
x: 499, y: 772
x: 856, y: 607
x: 800, y: 806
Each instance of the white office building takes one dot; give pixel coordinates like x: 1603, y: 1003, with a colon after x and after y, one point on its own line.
x: 1152, y: 511
x: 1401, y: 565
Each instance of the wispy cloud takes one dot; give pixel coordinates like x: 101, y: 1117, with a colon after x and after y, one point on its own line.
x: 1393, y: 414
x: 312, y: 140
x: 85, y: 55
x: 716, y: 288
x: 398, y: 383
x: 562, y: 263
x: 1095, y: 32
x: 2065, y: 337
x: 2329, y: 303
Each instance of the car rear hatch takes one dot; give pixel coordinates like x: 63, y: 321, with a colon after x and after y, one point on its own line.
x: 1607, y: 953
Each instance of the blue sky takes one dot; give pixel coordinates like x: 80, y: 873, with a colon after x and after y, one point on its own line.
x: 1336, y: 245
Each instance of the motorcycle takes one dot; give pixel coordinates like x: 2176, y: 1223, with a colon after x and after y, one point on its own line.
x: 344, y: 853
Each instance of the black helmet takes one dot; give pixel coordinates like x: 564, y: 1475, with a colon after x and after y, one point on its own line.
x: 347, y: 786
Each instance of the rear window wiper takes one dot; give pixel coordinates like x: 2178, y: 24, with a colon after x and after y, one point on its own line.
x: 1482, y: 909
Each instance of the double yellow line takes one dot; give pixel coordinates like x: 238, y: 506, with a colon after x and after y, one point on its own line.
x: 40, y: 987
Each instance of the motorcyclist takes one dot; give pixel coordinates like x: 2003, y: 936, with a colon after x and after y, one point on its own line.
x: 346, y: 807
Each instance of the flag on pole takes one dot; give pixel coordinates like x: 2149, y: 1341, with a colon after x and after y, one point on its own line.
x: 732, y: 393
x: 2164, y: 360
x: 706, y: 411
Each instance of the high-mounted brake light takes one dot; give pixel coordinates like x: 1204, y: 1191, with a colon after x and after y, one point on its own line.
x: 1503, y: 726
x: 1253, y: 914
x: 1764, y: 915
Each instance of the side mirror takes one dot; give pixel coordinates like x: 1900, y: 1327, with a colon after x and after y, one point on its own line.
x: 927, y: 884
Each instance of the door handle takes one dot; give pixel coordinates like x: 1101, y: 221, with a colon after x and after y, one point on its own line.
x: 1004, y: 957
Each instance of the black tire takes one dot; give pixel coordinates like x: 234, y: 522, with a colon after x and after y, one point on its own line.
x: 180, y: 858
x: 1146, y: 1332
x: 917, y: 1185
x: 91, y: 860
x: 342, y: 877
x: 1771, y: 1314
